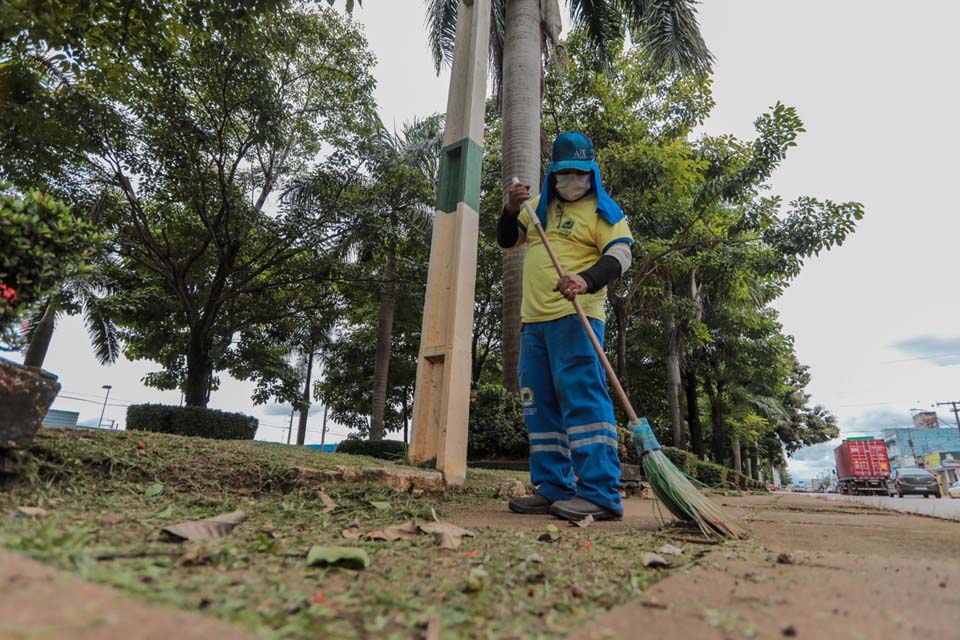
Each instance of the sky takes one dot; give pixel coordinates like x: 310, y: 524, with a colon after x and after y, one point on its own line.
x: 875, y: 319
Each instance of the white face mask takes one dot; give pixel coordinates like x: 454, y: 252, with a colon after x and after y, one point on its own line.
x: 573, y: 186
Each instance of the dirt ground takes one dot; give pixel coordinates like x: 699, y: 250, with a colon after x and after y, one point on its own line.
x: 812, y: 569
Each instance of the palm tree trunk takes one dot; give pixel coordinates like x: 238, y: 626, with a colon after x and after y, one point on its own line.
x: 693, y: 415
x: 620, y: 314
x: 42, y: 335
x: 673, y: 373
x: 521, y: 153
x: 381, y: 358
x: 735, y: 446
x: 305, y: 408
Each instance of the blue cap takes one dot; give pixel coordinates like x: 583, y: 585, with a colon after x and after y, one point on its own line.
x: 573, y: 150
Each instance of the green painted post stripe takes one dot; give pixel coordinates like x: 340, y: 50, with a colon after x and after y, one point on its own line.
x: 461, y: 164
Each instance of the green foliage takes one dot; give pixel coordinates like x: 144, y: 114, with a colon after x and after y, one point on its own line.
x: 41, y: 244
x: 382, y: 449
x: 191, y: 421
x: 381, y: 196
x: 497, y: 429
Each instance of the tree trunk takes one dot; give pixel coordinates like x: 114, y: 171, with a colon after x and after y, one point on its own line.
x: 323, y: 428
x: 40, y: 340
x: 305, y: 409
x: 199, y: 373
x: 620, y: 314
x: 735, y: 447
x: 693, y: 415
x: 749, y: 465
x: 754, y: 464
x: 717, y: 435
x: 521, y: 154
x: 673, y: 373
x: 381, y: 358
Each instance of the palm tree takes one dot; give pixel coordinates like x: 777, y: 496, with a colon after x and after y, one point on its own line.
x: 522, y: 31
x: 392, y: 206
x: 84, y: 294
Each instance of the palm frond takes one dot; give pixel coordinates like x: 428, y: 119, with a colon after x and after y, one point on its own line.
x: 441, y: 26
x: 669, y: 32
x: 498, y: 12
x: 767, y: 407
x: 601, y: 21
x: 102, y: 332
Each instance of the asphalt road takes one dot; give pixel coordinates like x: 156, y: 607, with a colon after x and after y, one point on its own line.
x: 947, y: 508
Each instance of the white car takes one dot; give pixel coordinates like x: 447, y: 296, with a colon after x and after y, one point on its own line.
x: 954, y: 490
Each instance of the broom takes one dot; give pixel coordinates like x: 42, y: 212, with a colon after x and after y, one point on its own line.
x: 670, y: 485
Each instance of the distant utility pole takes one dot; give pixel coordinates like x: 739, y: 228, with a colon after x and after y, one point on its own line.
x: 955, y: 407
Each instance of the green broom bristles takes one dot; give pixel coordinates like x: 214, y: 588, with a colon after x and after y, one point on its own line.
x: 672, y: 487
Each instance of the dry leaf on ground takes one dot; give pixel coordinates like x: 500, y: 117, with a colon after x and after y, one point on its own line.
x: 552, y: 534
x: 670, y: 550
x: 405, y: 531
x: 112, y: 519
x: 515, y: 489
x: 328, y: 503
x: 32, y: 512
x: 351, y: 534
x: 654, y: 561
x: 351, y: 557
x: 582, y: 523
x: 206, y: 529
x: 448, y: 536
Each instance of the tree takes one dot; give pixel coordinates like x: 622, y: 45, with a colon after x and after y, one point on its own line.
x: 211, y: 129
x: 521, y: 29
x: 386, y: 188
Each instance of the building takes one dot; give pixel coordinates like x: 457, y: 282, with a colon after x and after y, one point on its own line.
x: 936, y: 450
x: 57, y: 418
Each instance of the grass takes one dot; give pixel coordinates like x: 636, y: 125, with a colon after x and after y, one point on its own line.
x: 504, y: 583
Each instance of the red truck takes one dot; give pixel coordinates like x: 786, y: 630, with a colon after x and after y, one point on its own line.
x: 862, y: 466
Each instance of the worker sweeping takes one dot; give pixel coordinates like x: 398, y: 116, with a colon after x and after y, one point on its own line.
x: 574, y: 464
x: 567, y: 409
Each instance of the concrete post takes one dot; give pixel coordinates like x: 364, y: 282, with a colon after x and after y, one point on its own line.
x: 441, y: 402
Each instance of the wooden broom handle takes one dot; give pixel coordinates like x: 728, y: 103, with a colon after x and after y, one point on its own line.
x: 611, y: 374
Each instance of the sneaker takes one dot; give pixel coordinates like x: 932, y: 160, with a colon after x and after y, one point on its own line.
x: 535, y: 504
x: 579, y: 508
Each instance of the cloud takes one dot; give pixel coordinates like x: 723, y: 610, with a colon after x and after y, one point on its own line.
x: 943, y: 352
x: 872, y: 421
x: 819, y: 453
x: 284, y: 409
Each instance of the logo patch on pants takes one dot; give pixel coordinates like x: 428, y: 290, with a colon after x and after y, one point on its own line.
x: 526, y: 401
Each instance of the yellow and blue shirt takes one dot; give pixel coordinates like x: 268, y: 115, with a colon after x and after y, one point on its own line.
x: 579, y: 237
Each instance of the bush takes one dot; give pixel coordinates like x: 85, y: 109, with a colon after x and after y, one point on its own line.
x: 191, y: 421
x: 382, y: 449
x: 41, y: 244
x: 497, y: 429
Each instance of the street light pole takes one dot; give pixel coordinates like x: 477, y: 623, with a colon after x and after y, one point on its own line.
x: 104, y: 410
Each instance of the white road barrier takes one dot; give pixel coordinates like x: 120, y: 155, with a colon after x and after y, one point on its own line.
x: 945, y: 508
